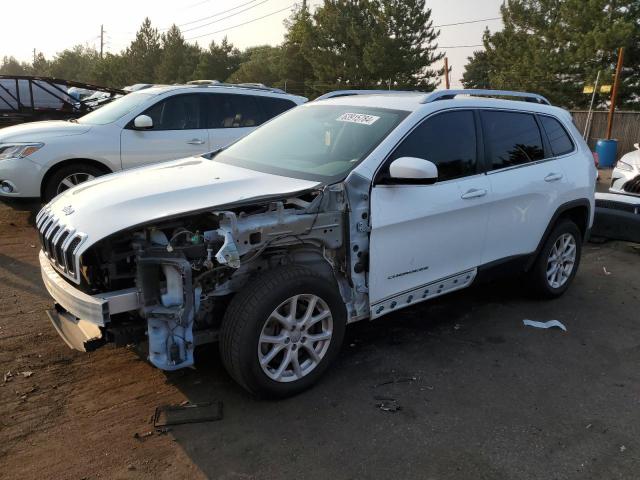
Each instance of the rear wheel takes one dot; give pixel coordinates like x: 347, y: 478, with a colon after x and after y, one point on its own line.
x: 69, y: 176
x: 557, y: 263
x: 282, y: 331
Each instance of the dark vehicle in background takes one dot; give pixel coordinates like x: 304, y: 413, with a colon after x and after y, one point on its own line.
x: 30, y: 99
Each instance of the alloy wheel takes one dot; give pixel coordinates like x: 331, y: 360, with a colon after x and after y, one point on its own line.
x: 295, y: 338
x: 73, y: 180
x: 561, y: 261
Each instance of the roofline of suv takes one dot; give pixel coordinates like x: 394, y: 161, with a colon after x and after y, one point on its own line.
x: 451, y: 94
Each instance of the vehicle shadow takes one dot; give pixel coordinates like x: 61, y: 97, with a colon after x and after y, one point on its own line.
x: 402, y: 356
x: 30, y: 208
x: 28, y: 274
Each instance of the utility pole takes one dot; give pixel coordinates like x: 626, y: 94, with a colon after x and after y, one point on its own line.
x: 614, y: 92
x: 587, y: 125
x: 101, y: 40
x: 34, y: 56
x: 446, y: 73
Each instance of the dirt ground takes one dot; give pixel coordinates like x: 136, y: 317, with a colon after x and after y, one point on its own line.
x: 480, y: 395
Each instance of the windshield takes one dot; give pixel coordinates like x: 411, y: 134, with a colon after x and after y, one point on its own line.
x: 314, y: 142
x: 114, y: 110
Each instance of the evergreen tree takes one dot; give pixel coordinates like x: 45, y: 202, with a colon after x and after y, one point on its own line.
x: 556, y: 47
x: 403, y: 45
x: 144, y: 53
x: 259, y: 65
x: 218, y: 62
x: 178, y: 60
x: 297, y: 71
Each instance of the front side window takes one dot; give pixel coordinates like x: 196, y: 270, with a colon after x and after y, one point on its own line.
x: 179, y: 112
x: 314, y: 142
x: 511, y: 138
x: 559, y: 139
x: 448, y: 140
x: 233, y: 111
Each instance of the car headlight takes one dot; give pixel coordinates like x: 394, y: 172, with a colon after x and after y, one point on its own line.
x: 624, y: 166
x: 18, y: 150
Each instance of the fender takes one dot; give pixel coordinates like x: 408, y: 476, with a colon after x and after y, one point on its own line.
x: 562, y: 209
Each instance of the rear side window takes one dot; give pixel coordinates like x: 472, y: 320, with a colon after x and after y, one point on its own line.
x: 273, y: 107
x: 233, y: 111
x: 180, y: 112
x: 558, y: 137
x: 448, y: 140
x: 511, y: 139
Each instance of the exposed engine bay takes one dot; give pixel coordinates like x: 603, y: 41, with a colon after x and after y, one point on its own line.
x: 187, y: 269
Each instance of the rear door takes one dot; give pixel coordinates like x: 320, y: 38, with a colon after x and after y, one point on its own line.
x: 422, y: 234
x: 526, y: 180
x: 179, y: 130
x: 231, y: 117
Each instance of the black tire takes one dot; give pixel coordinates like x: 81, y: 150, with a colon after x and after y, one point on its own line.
x: 538, y: 274
x: 50, y: 189
x: 248, y: 313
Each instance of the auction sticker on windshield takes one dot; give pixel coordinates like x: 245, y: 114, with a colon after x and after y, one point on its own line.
x: 361, y: 118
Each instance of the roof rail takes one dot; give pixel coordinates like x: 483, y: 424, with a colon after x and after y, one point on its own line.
x: 451, y: 94
x: 348, y: 93
x: 263, y: 88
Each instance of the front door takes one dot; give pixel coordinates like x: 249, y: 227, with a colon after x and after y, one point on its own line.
x: 179, y: 130
x: 427, y: 240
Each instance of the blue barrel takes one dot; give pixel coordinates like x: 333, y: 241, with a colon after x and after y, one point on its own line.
x: 607, y: 151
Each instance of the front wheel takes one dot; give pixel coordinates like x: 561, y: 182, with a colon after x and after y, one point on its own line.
x: 557, y: 263
x: 68, y: 177
x: 282, y: 331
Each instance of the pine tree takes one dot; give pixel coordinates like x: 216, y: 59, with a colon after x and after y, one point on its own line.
x: 296, y: 70
x: 556, y: 47
x: 218, y: 62
x: 144, y: 53
x: 403, y: 45
x: 178, y: 60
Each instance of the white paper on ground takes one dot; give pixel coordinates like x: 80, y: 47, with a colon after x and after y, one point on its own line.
x: 549, y: 324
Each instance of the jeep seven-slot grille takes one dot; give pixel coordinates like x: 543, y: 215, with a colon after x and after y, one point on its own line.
x: 632, y: 186
x: 59, y: 243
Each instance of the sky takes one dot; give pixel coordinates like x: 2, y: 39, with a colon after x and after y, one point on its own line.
x: 54, y: 26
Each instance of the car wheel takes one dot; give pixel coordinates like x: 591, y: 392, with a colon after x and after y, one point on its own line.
x: 557, y: 263
x: 69, y: 176
x: 281, y: 332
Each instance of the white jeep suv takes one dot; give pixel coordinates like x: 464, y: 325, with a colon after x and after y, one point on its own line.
x: 42, y: 159
x: 337, y: 211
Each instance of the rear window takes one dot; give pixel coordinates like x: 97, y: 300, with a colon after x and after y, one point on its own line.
x: 273, y: 107
x: 233, y: 111
x: 511, y: 138
x: 559, y: 139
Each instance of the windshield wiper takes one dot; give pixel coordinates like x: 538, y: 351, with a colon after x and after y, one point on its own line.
x: 72, y: 120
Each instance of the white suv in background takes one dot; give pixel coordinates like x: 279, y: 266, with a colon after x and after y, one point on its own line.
x: 337, y: 211
x: 42, y: 159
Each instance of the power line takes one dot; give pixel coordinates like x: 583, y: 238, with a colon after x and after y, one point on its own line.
x: 241, y: 24
x: 461, y: 46
x: 212, y: 15
x: 224, y: 18
x: 467, y: 22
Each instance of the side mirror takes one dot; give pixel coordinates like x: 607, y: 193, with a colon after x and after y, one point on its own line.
x: 637, y: 146
x: 143, y: 122
x: 412, y: 170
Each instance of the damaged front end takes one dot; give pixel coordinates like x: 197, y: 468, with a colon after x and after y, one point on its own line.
x: 178, y: 275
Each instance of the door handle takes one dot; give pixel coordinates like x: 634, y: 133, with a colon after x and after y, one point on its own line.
x: 553, y: 177
x: 474, y: 193
x: 196, y: 141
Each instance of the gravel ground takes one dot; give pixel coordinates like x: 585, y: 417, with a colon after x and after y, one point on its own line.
x: 480, y: 396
